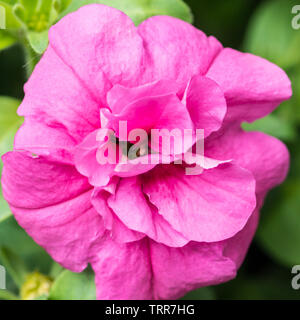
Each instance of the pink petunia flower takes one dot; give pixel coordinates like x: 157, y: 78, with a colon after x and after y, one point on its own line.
x: 148, y: 231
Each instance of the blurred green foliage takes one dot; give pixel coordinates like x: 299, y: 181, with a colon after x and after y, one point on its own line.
x: 262, y: 27
x: 139, y: 10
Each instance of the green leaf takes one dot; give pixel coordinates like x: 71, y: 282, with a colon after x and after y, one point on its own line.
x: 273, y: 283
x: 12, y: 22
x: 74, y: 286
x: 38, y: 40
x: 37, y: 15
x: 13, y: 237
x: 42, y: 297
x: 206, y: 293
x: 9, y: 124
x: 55, y: 270
x: 271, y: 35
x: 11, y: 2
x: 279, y: 230
x: 274, y: 126
x: 289, y: 110
x: 62, y: 5
x: 4, y: 209
x: 30, y: 5
x: 14, y: 265
x: 140, y: 10
x: 6, y: 40
x: 7, y: 295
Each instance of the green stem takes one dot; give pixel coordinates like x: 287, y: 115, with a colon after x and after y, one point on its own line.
x: 31, y: 59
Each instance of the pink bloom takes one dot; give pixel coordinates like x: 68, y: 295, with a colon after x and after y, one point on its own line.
x: 149, y: 232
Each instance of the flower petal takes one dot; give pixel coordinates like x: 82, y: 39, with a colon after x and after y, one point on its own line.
x: 123, y: 271
x: 148, y: 270
x: 82, y: 62
x: 119, y: 232
x: 55, y: 97
x: 265, y: 156
x: 137, y: 166
x: 119, y: 96
x: 85, y: 159
x: 101, y: 46
x: 206, y: 104
x: 42, y: 139
x: 29, y: 182
x: 52, y: 203
x: 160, y: 112
x: 209, y: 207
x: 253, y: 86
x: 131, y: 206
x: 177, y: 271
x: 145, y: 270
x: 236, y: 247
x: 176, y: 50
x: 162, y: 116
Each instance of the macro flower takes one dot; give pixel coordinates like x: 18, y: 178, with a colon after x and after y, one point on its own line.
x: 149, y: 231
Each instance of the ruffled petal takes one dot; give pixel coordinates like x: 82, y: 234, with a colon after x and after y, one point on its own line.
x: 175, y: 50
x: 209, y: 207
x: 41, y: 139
x: 148, y: 270
x: 52, y: 203
x: 85, y: 159
x: 154, y: 112
x: 253, y: 86
x: 69, y: 84
x: 118, y: 231
x: 177, y: 271
x: 162, y: 116
x: 56, y: 98
x: 265, y: 156
x: 123, y: 271
x: 206, y: 104
x: 137, y: 213
x: 236, y: 247
x: 119, y: 96
x: 101, y: 46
